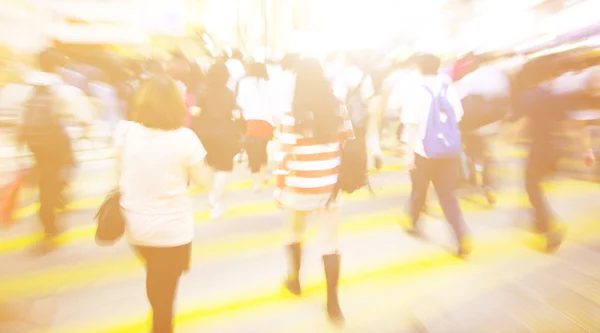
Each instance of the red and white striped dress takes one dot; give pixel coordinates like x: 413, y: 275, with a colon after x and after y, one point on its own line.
x: 308, y: 170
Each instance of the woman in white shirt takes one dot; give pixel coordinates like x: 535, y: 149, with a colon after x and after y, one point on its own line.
x: 158, y: 158
x: 255, y: 99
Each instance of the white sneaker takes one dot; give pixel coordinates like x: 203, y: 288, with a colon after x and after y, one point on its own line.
x: 217, y: 212
x: 256, y: 187
x: 211, y: 201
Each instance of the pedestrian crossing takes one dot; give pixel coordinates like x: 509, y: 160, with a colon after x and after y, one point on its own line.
x: 238, y: 262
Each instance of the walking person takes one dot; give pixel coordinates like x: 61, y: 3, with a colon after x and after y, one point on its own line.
x: 45, y: 136
x: 255, y: 99
x: 217, y: 126
x: 431, y: 113
x: 312, y: 135
x: 159, y: 157
x: 545, y: 110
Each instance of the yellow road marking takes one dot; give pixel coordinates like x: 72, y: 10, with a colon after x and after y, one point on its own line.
x: 505, y: 199
x: 417, y: 266
x: 82, y: 274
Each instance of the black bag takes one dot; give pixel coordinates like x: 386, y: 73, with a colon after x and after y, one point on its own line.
x: 354, y: 166
x: 354, y: 172
x: 110, y: 220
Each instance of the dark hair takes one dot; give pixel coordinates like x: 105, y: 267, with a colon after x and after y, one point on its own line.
x: 428, y: 64
x: 158, y: 104
x: 237, y: 54
x: 315, y: 107
x: 259, y: 70
x: 218, y: 75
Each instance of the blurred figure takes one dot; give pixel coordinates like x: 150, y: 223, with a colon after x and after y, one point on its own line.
x: 158, y: 158
x: 431, y: 113
x: 254, y: 98
x: 236, y: 69
x: 312, y: 135
x: 485, y: 95
x: 282, y: 87
x: 217, y: 128
x: 544, y: 114
x: 108, y: 100
x: 43, y: 133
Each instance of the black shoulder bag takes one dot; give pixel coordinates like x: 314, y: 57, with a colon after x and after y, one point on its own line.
x: 109, y: 218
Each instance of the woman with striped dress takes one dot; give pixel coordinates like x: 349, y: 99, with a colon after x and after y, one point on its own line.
x: 312, y: 135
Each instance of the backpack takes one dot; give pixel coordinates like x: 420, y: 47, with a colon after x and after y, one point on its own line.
x: 442, y: 134
x: 358, y: 109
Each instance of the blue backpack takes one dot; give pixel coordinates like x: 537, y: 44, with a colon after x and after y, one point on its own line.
x: 442, y: 135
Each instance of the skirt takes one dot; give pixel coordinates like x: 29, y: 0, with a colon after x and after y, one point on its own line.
x: 307, y: 202
x: 169, y: 258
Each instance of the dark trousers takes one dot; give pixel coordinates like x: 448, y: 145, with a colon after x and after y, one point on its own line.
x: 257, y: 153
x: 476, y: 149
x: 50, y: 184
x: 164, y: 267
x: 540, y: 164
x: 443, y: 173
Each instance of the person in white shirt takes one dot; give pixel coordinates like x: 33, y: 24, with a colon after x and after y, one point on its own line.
x: 236, y: 69
x: 158, y: 159
x: 441, y: 171
x: 255, y: 100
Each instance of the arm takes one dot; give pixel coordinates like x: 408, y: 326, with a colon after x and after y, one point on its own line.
x: 455, y: 101
x: 376, y: 111
x: 412, y: 133
x: 198, y: 170
x: 411, y: 110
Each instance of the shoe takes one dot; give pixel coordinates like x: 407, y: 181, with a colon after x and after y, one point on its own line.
x: 45, y: 246
x: 292, y: 282
x: 331, y: 263
x: 409, y: 227
x: 490, y: 196
x: 256, y: 188
x: 465, y: 248
x: 217, y: 212
x: 553, y: 241
x: 211, y: 201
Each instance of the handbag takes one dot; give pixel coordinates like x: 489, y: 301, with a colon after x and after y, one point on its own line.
x: 109, y: 218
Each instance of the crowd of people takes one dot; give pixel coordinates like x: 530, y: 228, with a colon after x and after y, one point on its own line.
x: 185, y: 125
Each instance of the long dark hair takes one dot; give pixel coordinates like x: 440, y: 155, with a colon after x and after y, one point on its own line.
x: 315, y: 107
x: 217, y: 76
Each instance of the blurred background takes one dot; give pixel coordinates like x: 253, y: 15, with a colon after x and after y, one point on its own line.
x: 98, y: 51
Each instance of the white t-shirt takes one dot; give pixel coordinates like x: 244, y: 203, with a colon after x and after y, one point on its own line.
x: 282, y: 90
x: 417, y: 104
x: 156, y: 168
x: 255, y: 99
x: 236, y: 72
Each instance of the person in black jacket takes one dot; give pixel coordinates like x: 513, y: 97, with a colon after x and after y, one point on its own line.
x: 546, y: 112
x: 218, y: 127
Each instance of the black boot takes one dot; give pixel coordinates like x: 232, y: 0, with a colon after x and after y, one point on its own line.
x: 331, y: 262
x: 292, y: 283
